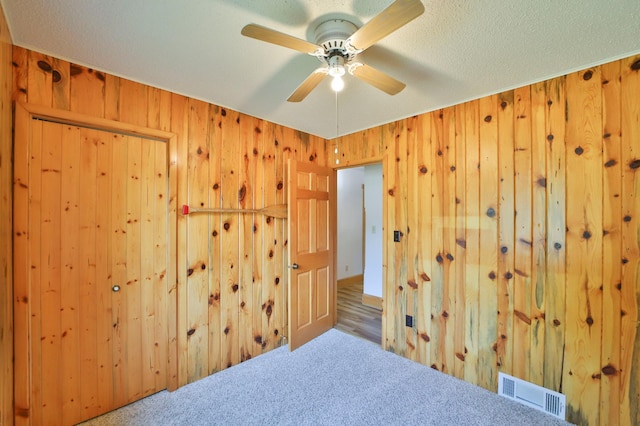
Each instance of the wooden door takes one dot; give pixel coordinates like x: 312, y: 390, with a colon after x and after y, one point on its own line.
x: 95, y: 273
x: 312, y: 285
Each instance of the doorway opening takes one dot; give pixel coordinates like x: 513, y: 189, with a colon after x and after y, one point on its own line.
x: 359, y: 248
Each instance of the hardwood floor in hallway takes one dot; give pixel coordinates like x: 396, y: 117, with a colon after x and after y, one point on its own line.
x: 354, y: 317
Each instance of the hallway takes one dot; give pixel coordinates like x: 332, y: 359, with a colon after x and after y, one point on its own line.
x: 354, y: 317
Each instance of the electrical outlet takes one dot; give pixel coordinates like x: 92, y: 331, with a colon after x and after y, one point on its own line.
x: 346, y: 268
x: 409, y: 321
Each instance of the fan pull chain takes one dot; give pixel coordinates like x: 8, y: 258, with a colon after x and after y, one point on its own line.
x: 337, y: 115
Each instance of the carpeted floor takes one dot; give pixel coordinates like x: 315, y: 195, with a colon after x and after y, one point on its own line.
x: 336, y: 379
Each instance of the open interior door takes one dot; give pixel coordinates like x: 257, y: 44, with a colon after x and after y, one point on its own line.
x: 312, y: 221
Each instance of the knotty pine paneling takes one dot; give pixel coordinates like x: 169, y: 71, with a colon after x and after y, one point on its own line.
x: 611, y: 248
x: 520, y: 215
x: 629, y: 369
x: 232, y: 276
x: 525, y: 293
x: 6, y: 206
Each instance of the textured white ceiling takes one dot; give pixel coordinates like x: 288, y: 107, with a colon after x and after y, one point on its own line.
x: 456, y: 51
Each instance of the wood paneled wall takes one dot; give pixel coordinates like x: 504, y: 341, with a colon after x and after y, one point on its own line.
x: 232, y: 276
x: 6, y: 266
x: 520, y: 215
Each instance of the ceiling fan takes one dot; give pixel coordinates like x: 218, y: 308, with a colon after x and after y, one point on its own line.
x: 339, y: 42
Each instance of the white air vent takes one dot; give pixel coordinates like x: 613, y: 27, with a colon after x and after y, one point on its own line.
x: 532, y: 395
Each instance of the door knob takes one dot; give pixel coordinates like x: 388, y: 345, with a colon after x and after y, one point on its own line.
x: 115, y: 288
x: 294, y: 266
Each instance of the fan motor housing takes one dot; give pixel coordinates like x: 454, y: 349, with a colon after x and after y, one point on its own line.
x: 332, y: 36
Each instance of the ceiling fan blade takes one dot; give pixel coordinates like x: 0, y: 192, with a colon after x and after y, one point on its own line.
x: 376, y: 78
x: 393, y: 17
x: 276, y: 37
x: 308, y: 85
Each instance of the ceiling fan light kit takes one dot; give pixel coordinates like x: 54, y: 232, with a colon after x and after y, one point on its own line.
x: 336, y: 70
x: 337, y: 45
x: 336, y: 65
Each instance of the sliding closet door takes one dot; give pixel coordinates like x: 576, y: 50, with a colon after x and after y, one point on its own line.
x: 96, y: 287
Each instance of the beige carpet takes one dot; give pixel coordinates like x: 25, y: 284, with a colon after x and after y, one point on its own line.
x: 336, y: 379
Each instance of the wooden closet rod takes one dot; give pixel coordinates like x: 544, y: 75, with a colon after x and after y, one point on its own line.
x: 278, y: 210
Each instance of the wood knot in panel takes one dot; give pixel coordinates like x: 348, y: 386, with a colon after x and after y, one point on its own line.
x: 522, y: 317
x: 75, y: 70
x: 45, y: 66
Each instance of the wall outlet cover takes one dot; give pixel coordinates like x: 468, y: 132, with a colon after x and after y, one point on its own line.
x: 409, y: 321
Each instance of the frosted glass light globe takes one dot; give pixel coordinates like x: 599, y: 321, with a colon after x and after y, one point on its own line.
x: 337, y: 84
